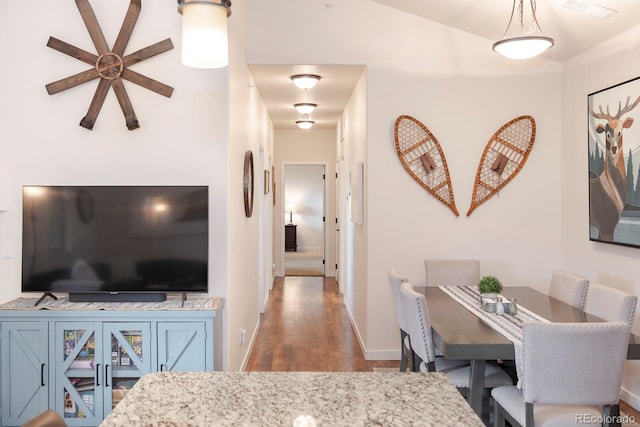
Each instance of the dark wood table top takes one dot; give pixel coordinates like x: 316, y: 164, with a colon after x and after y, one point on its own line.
x: 462, y: 335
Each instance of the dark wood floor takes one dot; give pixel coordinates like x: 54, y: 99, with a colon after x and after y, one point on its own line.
x: 305, y: 327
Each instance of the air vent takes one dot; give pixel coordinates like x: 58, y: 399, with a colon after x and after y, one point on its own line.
x: 589, y: 8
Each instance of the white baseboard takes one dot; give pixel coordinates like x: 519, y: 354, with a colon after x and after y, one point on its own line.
x: 353, y: 323
x: 310, y: 248
x: 370, y: 354
x: 632, y: 399
x: 382, y: 355
x: 254, y: 335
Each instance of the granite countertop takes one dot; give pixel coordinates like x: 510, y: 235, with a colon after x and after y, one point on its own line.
x: 63, y: 303
x: 292, y: 399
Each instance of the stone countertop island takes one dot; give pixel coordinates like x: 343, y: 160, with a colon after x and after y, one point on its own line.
x: 292, y: 399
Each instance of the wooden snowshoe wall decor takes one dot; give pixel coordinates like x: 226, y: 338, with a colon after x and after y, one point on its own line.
x: 503, y: 157
x: 421, y: 155
x: 109, y: 65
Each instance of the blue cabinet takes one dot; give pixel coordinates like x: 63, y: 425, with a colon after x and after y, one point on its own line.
x: 96, y: 364
x: 181, y: 347
x: 25, y: 381
x: 82, y: 362
x: 77, y: 392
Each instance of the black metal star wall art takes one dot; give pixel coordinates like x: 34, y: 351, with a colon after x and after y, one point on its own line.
x: 109, y: 65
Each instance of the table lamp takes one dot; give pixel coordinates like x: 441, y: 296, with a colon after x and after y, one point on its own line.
x: 291, y: 209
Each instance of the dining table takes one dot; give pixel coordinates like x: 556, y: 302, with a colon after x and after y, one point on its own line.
x: 462, y: 335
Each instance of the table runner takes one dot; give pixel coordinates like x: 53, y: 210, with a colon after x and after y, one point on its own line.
x: 508, y: 325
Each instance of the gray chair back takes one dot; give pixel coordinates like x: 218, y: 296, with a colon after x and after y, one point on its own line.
x: 452, y: 272
x: 396, y: 280
x: 610, y: 304
x: 569, y: 287
x: 418, y: 324
x: 574, y: 363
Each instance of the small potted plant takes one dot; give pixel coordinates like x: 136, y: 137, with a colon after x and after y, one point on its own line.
x: 489, y: 287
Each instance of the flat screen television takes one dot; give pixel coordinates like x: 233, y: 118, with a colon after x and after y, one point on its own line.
x: 115, y: 243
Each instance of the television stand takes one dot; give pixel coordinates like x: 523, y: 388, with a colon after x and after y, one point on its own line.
x: 117, y: 296
x: 45, y: 352
x: 44, y: 295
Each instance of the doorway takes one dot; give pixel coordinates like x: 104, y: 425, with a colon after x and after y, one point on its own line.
x: 304, y: 210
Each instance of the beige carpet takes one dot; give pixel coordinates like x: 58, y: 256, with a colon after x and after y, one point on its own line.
x: 303, y: 263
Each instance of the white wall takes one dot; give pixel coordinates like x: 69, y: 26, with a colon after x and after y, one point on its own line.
x: 463, y: 92
x: 181, y: 140
x: 198, y: 136
x: 507, y: 232
x: 305, y: 146
x: 351, y: 150
x: 617, y: 266
x: 249, y: 129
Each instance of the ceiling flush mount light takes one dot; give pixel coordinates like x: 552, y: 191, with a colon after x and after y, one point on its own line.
x: 305, y: 124
x: 204, y: 33
x: 529, y: 41
x: 305, y: 107
x: 305, y: 81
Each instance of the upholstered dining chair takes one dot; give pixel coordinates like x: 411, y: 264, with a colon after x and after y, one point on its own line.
x: 610, y: 304
x: 406, y: 358
x: 570, y: 371
x: 569, y: 287
x: 452, y: 272
x: 419, y: 326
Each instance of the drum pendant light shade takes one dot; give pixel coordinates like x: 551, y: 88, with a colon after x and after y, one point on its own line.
x: 204, y: 33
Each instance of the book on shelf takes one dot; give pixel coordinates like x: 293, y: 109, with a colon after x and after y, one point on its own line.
x: 136, y: 344
x: 115, y: 352
x: 73, y: 409
x: 119, y: 354
x: 125, y: 360
x: 70, y: 337
x: 88, y: 399
x: 83, y: 384
x: 70, y: 408
x: 81, y: 364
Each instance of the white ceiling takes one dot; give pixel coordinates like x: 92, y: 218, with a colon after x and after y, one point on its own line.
x: 331, y: 93
x: 573, y: 32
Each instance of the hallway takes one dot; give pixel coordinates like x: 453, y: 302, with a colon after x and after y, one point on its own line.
x: 303, y: 263
x: 305, y: 327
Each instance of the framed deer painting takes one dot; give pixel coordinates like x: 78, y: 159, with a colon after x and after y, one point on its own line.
x: 614, y: 164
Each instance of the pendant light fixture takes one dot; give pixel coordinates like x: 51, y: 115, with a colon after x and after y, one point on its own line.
x: 305, y: 124
x: 305, y: 108
x: 305, y: 81
x: 205, y: 41
x: 525, y: 42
